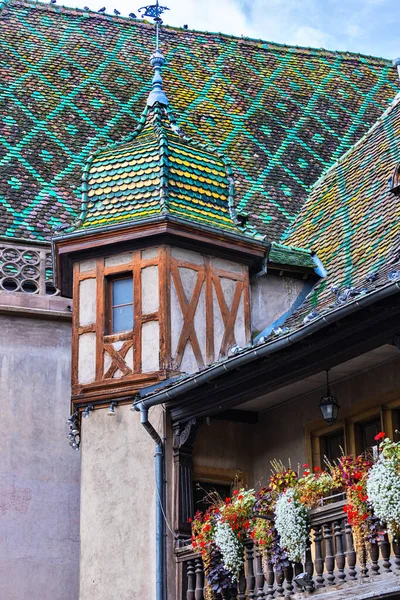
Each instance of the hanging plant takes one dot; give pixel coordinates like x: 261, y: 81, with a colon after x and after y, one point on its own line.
x: 383, y: 485
x: 292, y: 524
x: 231, y: 548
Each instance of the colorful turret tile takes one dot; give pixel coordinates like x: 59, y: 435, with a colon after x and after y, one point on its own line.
x: 158, y: 171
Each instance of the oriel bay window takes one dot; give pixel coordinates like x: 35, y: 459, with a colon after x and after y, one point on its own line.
x: 120, y: 305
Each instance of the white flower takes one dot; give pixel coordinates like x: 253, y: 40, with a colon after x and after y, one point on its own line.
x: 292, y: 525
x: 383, y: 489
x: 231, y: 548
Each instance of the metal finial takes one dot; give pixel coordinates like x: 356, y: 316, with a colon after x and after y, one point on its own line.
x: 154, y: 11
x: 157, y: 60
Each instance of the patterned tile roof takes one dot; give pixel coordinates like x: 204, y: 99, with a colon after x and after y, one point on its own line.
x: 158, y: 171
x: 73, y: 81
x: 352, y: 220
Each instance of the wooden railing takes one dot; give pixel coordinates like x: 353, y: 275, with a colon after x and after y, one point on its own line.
x: 330, y: 561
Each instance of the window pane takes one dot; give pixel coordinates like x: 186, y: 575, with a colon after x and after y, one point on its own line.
x: 122, y: 318
x: 122, y: 291
x: 369, y: 431
x: 201, y: 491
x: 333, y: 444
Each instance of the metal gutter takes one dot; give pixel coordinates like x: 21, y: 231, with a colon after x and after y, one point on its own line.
x: 159, y: 477
x: 265, y: 350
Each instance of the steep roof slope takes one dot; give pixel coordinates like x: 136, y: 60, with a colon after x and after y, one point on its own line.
x: 352, y: 220
x: 73, y: 81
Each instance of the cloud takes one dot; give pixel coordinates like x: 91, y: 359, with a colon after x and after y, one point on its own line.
x: 366, y: 26
x: 309, y: 36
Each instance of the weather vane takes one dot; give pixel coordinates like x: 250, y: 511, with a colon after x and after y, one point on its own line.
x: 154, y: 11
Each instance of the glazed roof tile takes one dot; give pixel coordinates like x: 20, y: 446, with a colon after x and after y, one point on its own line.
x: 353, y: 219
x: 158, y: 171
x: 290, y: 255
x: 73, y: 81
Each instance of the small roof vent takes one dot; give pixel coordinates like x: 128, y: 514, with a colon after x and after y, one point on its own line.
x: 394, y: 181
x: 396, y: 63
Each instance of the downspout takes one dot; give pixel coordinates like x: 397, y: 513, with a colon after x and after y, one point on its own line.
x: 159, y: 477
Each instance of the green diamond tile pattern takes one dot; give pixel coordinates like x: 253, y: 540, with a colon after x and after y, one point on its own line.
x: 158, y: 171
x: 352, y: 220
x: 72, y: 82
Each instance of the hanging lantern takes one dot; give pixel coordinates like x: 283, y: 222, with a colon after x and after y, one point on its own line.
x: 329, y: 406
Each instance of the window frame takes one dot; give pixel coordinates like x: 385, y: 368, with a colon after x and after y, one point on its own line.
x: 109, y: 306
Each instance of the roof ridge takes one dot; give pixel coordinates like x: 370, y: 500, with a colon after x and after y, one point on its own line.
x: 345, y: 54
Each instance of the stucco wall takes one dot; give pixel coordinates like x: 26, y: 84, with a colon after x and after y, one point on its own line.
x: 39, y: 472
x: 271, y: 296
x: 117, y: 506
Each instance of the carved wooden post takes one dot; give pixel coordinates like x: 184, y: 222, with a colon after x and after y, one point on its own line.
x: 396, y: 552
x: 329, y: 558
x: 199, y: 591
x: 374, y: 553
x: 340, y: 558
x: 385, y: 552
x: 363, y: 565
x: 251, y: 580
x: 270, y: 577
x: 184, y: 436
x: 260, y: 580
x: 191, y: 579
x: 350, y: 553
x: 319, y: 561
x: 241, y: 587
x: 289, y: 580
x: 309, y: 566
x: 279, y: 584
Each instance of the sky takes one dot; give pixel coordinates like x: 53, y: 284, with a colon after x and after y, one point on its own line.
x: 365, y: 26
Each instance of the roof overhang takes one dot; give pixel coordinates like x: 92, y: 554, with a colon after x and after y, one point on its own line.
x: 337, y: 336
x: 82, y: 244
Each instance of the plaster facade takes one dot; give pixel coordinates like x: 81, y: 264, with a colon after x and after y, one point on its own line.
x: 271, y: 296
x: 118, y: 506
x: 39, y: 473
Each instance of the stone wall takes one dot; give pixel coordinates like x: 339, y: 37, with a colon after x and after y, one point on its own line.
x: 39, y: 472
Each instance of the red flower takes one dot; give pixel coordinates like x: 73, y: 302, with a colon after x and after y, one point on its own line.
x: 317, y: 469
x: 235, y: 492
x: 357, y: 475
x: 380, y: 435
x: 305, y: 465
x: 207, y: 527
x: 306, y: 473
x: 252, y: 535
x: 240, y: 497
x: 190, y: 519
x: 227, y: 500
x: 246, y: 525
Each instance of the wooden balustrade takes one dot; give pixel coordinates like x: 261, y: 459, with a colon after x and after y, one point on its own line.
x: 330, y: 562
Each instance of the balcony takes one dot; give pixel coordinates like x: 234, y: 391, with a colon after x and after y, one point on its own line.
x: 331, y: 562
x: 26, y: 282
